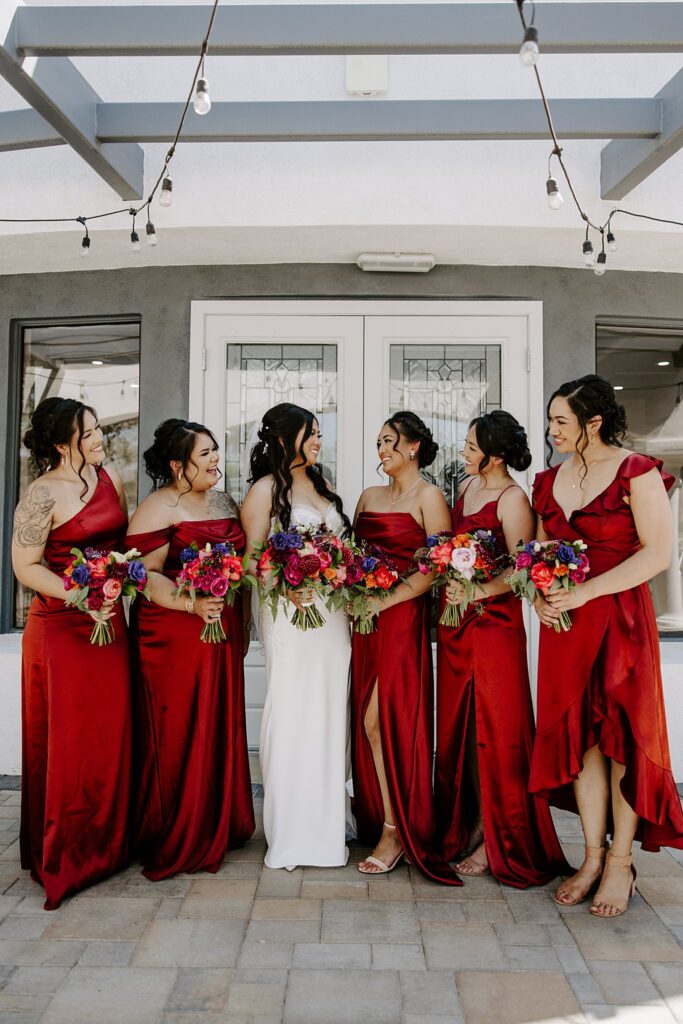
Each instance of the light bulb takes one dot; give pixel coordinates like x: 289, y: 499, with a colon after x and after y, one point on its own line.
x: 600, y: 265
x: 618, y: 387
x: 588, y: 254
x: 97, y: 362
x: 166, y: 197
x: 664, y: 362
x: 555, y: 199
x: 611, y: 242
x: 529, y: 52
x: 85, y: 248
x: 135, y: 241
x: 151, y: 233
x: 202, y: 100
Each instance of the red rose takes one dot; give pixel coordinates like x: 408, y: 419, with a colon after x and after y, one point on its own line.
x: 384, y: 577
x: 542, y: 576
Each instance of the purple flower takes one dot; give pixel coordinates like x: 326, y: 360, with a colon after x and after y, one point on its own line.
x: 566, y: 554
x: 284, y: 541
x: 369, y: 563
x: 137, y: 572
x: 92, y: 553
x: 80, y: 575
x: 187, y: 555
x: 432, y: 540
x: 222, y: 549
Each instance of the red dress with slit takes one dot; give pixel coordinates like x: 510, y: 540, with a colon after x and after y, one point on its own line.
x: 482, y: 672
x: 397, y: 657
x: 600, y: 683
x: 192, y: 784
x: 76, y: 722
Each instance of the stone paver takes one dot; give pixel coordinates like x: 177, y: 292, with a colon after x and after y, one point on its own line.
x: 250, y: 945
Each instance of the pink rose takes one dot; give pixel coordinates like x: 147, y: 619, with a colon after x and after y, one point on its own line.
x: 112, y: 589
x: 523, y: 560
x: 441, y: 554
x: 462, y: 560
x: 294, y: 573
x: 219, y: 586
x: 577, y: 576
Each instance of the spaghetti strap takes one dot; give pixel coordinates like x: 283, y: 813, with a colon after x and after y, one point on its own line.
x: 509, y: 486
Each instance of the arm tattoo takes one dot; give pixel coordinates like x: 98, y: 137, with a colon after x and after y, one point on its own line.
x: 222, y: 505
x: 33, y: 517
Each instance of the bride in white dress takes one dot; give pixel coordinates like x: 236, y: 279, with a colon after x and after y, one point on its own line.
x: 304, y: 732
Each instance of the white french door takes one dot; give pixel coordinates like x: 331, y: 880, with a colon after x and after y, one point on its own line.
x: 353, y: 363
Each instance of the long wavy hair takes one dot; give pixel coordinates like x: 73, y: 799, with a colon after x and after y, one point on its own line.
x: 275, y: 453
x: 55, y: 421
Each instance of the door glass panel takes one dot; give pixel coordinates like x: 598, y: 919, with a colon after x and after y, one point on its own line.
x: 447, y: 386
x: 260, y: 376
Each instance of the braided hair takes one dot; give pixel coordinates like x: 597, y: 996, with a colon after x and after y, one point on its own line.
x: 587, y: 397
x: 499, y: 434
x: 55, y: 421
x: 412, y: 428
x: 275, y: 453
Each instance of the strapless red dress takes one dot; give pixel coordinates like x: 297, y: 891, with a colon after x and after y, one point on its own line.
x: 397, y: 656
x: 482, y: 671
x: 600, y: 683
x: 76, y: 723
x: 192, y: 784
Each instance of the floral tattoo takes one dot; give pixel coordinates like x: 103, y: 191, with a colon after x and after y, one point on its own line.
x: 33, y: 517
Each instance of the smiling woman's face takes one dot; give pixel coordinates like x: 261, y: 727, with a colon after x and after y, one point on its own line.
x: 393, y: 450
x: 311, y: 446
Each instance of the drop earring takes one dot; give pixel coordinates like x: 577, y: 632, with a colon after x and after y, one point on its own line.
x: 411, y: 456
x: 63, y: 460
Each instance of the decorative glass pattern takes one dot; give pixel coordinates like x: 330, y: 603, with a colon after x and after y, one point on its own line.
x: 447, y: 385
x: 259, y: 376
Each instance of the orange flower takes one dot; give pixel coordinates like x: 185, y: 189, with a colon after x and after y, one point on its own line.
x: 370, y: 581
x: 561, y: 569
x: 330, y: 574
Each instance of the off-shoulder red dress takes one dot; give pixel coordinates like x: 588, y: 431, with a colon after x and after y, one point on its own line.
x: 600, y: 683
x: 192, y: 784
x: 76, y: 722
x: 482, y: 671
x: 397, y: 656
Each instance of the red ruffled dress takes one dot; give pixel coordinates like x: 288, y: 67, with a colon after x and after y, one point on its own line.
x: 193, y: 797
x: 76, y: 722
x: 397, y: 656
x: 600, y: 683
x: 482, y: 670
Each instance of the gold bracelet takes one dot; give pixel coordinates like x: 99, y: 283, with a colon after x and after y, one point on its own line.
x: 189, y: 605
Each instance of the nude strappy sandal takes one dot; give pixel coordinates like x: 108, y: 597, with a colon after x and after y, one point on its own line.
x: 619, y: 862
x: 575, y: 895
x: 384, y: 869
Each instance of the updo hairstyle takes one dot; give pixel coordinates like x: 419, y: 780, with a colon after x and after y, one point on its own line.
x: 55, y: 421
x: 174, y: 441
x: 413, y: 429
x: 499, y: 434
x: 587, y: 397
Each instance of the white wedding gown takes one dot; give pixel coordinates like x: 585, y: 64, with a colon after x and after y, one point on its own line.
x: 304, y: 731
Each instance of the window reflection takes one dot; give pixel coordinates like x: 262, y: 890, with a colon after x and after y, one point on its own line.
x: 644, y: 361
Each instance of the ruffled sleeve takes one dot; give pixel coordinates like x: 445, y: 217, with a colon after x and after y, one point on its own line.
x: 146, y: 542
x: 542, y: 489
x: 636, y: 464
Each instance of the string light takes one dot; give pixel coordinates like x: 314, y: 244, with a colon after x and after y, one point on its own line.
x: 529, y: 57
x: 134, y: 238
x: 555, y: 199
x: 166, y: 197
x: 202, y: 100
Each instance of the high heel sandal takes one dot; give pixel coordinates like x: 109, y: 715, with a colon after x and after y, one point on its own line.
x: 625, y: 861
x: 383, y: 869
x: 575, y: 895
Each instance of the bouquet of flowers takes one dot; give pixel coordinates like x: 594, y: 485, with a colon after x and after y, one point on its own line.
x: 213, y: 569
x: 469, y: 559
x: 371, y: 574
x: 309, y: 561
x: 544, y: 566
x: 98, y: 576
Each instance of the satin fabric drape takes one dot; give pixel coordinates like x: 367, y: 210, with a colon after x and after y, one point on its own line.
x: 397, y: 657
x: 482, y: 671
x: 192, y: 783
x: 76, y: 723
x: 600, y: 683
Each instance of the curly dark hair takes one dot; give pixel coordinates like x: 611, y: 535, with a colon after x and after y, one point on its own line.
x: 55, y: 421
x: 174, y: 441
x: 412, y: 428
x: 499, y: 434
x: 587, y: 397
x: 276, y: 452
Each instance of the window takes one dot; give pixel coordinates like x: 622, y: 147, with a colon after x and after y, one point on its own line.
x: 98, y: 363
x: 644, y: 361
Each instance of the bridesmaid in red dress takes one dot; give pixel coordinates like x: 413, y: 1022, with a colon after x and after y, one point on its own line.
x: 76, y: 714
x: 601, y: 744
x: 485, y: 719
x: 191, y: 767
x: 391, y: 696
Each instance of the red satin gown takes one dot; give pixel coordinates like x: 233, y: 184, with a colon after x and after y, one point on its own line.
x: 600, y: 683
x: 76, y: 723
x: 191, y: 768
x: 397, y: 656
x: 482, y: 671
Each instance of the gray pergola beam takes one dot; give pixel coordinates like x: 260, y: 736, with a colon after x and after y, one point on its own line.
x: 248, y: 30
x: 24, y: 129
x: 384, y: 120
x: 60, y: 94
x: 625, y: 164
